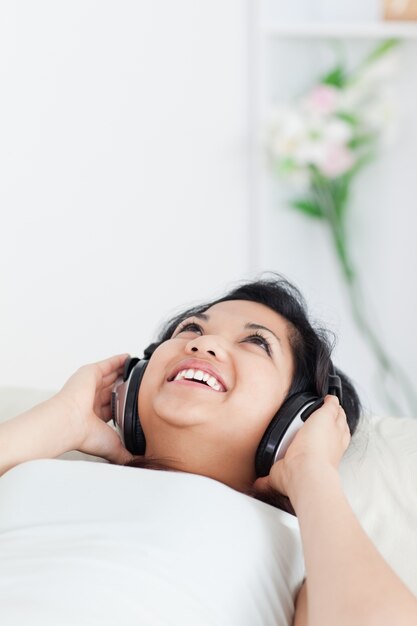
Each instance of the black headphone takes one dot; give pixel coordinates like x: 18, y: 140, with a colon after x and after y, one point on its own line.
x: 274, y: 443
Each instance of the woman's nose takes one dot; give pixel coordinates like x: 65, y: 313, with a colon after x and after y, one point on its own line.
x: 207, y: 344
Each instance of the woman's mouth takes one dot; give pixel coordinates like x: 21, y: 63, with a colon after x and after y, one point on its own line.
x: 200, y: 377
x: 198, y: 372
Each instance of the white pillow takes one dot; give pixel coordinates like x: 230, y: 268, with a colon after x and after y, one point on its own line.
x: 15, y: 400
x: 93, y: 544
x: 379, y: 474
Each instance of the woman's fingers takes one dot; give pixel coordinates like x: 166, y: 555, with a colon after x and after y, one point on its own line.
x: 341, y: 437
x: 332, y: 404
x: 103, y: 396
x: 261, y: 484
x: 106, y: 443
x: 110, y: 379
x: 108, y: 371
x: 105, y: 413
x: 323, y: 439
x: 342, y: 424
x: 112, y: 365
x: 102, y: 404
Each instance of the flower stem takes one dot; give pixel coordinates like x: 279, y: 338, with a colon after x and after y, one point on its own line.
x: 387, y: 368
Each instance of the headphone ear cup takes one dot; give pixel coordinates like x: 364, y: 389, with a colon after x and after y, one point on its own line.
x: 283, y: 428
x: 128, y: 367
x: 133, y: 434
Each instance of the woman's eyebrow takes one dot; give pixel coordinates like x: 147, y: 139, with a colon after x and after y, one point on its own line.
x: 201, y: 316
x: 253, y: 326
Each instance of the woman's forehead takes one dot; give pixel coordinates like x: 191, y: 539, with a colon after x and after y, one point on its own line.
x: 242, y: 312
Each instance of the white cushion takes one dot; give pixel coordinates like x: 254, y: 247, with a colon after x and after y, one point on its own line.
x: 379, y: 474
x: 15, y: 400
x: 99, y: 545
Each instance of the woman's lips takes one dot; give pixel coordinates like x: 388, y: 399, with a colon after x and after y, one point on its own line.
x: 200, y: 369
x: 193, y: 383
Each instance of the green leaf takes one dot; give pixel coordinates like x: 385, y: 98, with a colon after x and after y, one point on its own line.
x: 335, y: 78
x: 308, y: 207
x: 382, y: 49
x: 349, y: 118
x: 361, y: 140
x: 287, y: 166
x: 360, y: 163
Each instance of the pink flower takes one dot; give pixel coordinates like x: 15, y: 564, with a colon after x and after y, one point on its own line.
x: 322, y: 100
x: 337, y: 161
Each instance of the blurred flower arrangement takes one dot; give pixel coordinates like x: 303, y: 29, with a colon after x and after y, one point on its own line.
x: 319, y: 144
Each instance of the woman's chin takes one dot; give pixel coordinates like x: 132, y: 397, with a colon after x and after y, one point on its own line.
x: 182, y: 414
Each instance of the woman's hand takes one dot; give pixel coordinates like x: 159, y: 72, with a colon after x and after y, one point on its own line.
x: 86, y: 400
x: 348, y: 581
x: 320, y: 443
x: 74, y: 419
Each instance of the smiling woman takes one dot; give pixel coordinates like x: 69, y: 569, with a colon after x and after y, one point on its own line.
x: 239, y: 397
x: 215, y: 429
x: 256, y: 348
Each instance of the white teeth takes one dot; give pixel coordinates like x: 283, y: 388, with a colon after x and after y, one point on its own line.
x: 192, y: 374
x: 212, y: 381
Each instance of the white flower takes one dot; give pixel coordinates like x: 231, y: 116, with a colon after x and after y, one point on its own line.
x: 288, y: 129
x: 337, y: 131
x: 320, y: 129
x: 299, y: 139
x: 311, y: 153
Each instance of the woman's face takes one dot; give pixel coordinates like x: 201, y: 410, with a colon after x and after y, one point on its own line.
x: 209, y: 392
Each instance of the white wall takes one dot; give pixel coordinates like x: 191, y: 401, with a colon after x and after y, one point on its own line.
x: 382, y: 212
x: 124, y: 184
x: 123, y: 169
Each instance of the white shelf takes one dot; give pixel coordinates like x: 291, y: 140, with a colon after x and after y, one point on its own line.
x: 320, y: 30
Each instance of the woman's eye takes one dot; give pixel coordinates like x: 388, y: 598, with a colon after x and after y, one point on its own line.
x: 190, y: 327
x: 260, y: 340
